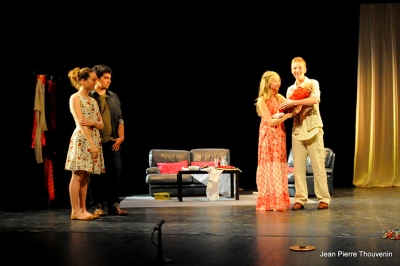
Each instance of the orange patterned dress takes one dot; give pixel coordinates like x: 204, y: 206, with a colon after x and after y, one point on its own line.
x: 79, y: 156
x: 272, y: 180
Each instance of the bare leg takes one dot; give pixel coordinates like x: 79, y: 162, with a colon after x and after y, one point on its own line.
x: 83, y: 193
x: 74, y: 194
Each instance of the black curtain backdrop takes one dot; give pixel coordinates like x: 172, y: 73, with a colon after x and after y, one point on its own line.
x: 188, y: 77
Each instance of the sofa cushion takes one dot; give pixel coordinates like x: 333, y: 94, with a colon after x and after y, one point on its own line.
x: 201, y: 164
x: 291, y: 178
x: 309, y: 171
x: 172, y: 168
x: 168, y: 179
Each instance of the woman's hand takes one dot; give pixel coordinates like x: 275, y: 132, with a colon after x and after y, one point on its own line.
x: 94, y: 150
x: 277, y: 115
x: 286, y: 104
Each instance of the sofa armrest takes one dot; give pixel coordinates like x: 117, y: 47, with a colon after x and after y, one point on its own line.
x: 152, y: 170
x: 329, y: 172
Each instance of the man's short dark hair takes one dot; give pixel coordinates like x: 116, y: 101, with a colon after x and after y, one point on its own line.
x: 101, y: 70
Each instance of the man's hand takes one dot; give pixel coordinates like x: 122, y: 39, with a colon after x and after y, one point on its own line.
x: 85, y: 122
x: 309, y: 87
x: 117, y: 144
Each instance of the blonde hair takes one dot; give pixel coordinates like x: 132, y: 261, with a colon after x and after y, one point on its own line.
x: 77, y: 74
x: 264, y: 91
x: 299, y: 59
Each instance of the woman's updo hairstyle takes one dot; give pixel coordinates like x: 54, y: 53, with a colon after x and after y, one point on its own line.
x: 77, y: 74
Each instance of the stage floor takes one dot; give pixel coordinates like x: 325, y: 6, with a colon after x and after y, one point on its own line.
x: 348, y: 233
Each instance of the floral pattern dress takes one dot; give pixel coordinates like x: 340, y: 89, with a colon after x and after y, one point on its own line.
x: 79, y: 156
x: 272, y: 179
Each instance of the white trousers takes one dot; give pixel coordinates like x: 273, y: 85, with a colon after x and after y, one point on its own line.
x: 314, y: 148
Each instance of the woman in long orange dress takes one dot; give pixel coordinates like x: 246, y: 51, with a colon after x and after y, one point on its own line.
x: 272, y: 180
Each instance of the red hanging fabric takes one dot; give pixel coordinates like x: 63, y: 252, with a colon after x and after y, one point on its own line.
x: 48, y: 172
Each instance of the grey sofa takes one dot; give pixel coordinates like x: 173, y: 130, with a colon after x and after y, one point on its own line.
x: 168, y: 182
x: 329, y: 167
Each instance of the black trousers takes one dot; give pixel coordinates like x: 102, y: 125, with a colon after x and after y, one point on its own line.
x: 106, y: 188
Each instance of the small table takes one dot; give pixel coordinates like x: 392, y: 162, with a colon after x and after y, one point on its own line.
x: 232, y: 172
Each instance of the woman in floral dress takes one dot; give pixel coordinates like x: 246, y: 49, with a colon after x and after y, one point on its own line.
x: 85, y: 154
x: 272, y: 180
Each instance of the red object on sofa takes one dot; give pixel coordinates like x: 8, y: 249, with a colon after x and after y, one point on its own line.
x: 172, y: 168
x: 226, y: 166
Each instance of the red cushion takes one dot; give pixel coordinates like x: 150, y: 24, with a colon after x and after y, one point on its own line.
x: 172, y: 168
x: 201, y: 164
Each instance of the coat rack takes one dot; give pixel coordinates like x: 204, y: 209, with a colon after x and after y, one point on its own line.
x: 53, y: 78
